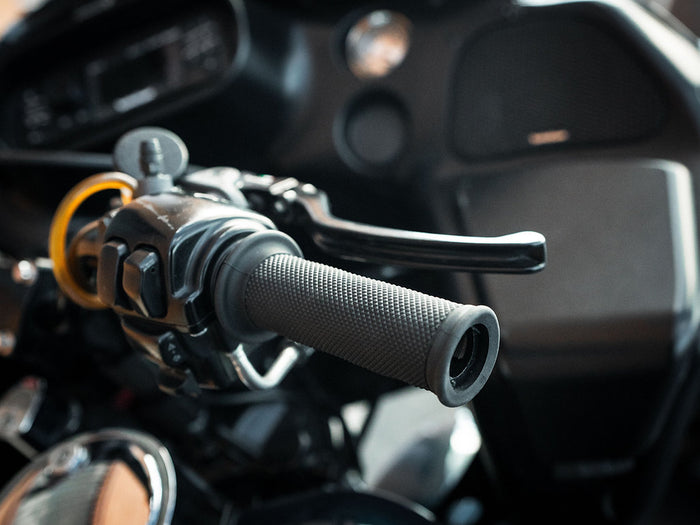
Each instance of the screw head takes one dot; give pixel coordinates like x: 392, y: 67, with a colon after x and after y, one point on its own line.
x: 67, y: 458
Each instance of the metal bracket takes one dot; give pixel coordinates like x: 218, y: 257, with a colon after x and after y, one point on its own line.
x: 290, y: 354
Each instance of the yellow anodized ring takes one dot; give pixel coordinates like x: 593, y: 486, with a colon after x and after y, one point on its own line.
x: 59, y: 230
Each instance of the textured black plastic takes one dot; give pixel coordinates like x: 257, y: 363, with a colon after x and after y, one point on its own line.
x: 566, y: 75
x: 385, y: 328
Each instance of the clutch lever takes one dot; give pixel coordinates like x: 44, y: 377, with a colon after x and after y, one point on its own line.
x: 304, y: 204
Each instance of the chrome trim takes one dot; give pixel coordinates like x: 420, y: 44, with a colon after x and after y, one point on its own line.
x: 53, y: 470
x: 250, y: 377
x: 18, y: 409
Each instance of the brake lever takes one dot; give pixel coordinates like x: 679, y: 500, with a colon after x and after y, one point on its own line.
x: 305, y: 205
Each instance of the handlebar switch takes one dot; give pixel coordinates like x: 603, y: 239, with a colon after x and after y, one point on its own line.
x: 142, y: 278
x: 109, y: 274
x: 198, y: 277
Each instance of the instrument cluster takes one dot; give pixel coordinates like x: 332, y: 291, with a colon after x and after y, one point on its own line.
x: 119, y: 63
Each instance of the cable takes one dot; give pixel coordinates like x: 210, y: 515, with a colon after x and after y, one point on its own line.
x: 62, y: 159
x: 56, y: 159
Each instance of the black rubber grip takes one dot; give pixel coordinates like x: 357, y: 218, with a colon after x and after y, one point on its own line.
x: 420, y: 339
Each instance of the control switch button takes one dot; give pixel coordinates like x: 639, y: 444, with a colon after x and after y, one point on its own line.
x: 142, y: 281
x: 109, y: 274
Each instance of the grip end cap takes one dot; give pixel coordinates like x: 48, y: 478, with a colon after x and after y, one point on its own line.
x: 463, y: 354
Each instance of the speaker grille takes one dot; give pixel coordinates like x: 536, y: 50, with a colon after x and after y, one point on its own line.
x: 540, y: 83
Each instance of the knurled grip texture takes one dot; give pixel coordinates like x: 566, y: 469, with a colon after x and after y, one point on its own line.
x: 383, y: 327
x: 262, y: 287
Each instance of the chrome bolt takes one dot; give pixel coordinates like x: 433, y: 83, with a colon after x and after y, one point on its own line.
x: 25, y: 272
x: 309, y: 189
x: 66, y: 458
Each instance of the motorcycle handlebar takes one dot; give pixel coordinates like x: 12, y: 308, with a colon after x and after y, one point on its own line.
x: 448, y: 348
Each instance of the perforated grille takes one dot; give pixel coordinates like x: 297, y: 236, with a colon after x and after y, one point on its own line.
x: 379, y: 326
x: 566, y: 78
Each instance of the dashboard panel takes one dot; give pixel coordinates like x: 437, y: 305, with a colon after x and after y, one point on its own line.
x: 130, y: 66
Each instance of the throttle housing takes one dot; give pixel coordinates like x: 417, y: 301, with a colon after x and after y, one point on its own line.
x: 197, y: 278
